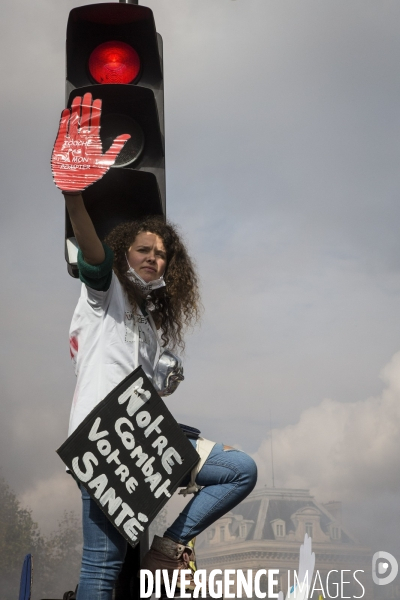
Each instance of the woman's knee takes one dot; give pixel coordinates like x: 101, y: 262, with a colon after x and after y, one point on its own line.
x: 246, y: 470
x: 250, y: 474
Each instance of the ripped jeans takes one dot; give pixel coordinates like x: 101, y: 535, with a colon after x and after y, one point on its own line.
x: 228, y: 476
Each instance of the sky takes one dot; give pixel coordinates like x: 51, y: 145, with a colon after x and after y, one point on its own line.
x: 282, y: 150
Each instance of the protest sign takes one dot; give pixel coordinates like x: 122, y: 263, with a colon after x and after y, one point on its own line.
x: 130, y: 454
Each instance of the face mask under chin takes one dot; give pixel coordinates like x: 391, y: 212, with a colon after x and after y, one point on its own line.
x: 144, y: 286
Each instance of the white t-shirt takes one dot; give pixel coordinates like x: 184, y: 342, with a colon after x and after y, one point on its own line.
x: 107, y: 342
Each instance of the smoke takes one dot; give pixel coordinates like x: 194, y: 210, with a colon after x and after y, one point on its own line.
x: 345, y: 451
x: 49, y: 497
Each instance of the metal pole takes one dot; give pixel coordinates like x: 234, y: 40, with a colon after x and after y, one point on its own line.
x: 129, y: 1
x: 272, y: 451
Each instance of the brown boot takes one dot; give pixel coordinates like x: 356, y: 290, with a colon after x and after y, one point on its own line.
x: 167, y: 554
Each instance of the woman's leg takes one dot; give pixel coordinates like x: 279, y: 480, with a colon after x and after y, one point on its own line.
x: 104, y: 551
x: 228, y: 476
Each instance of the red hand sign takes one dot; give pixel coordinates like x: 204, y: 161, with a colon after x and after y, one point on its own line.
x: 78, y: 160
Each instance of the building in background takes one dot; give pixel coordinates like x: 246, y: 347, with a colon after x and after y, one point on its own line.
x: 266, y: 531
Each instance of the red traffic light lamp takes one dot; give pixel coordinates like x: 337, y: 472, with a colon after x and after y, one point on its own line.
x: 114, y: 62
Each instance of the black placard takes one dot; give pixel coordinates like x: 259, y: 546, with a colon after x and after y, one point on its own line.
x: 130, y: 454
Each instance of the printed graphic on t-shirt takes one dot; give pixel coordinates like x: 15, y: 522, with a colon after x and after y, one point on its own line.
x: 129, y: 326
x: 143, y: 327
x: 142, y: 333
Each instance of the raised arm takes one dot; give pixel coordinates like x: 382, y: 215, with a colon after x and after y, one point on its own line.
x: 85, y: 233
x: 78, y: 161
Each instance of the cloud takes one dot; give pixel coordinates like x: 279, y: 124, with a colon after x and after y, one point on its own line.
x: 344, y: 450
x: 347, y: 452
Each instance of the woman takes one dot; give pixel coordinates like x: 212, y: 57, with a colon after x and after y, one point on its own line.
x: 139, y: 293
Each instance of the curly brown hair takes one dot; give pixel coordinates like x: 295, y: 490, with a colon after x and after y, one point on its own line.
x: 177, y: 305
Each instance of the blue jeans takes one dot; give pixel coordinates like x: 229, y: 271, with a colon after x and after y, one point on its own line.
x: 228, y: 476
x: 104, y: 551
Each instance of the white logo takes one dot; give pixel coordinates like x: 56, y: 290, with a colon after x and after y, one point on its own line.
x: 384, y: 564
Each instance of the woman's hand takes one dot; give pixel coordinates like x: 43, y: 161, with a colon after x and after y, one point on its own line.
x: 77, y: 160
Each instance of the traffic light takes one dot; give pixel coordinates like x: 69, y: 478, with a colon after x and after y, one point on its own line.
x: 115, y: 53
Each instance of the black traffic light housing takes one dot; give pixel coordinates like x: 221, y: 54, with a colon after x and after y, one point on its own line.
x: 135, y: 185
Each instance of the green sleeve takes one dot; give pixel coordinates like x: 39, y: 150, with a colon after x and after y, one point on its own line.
x: 97, y: 277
